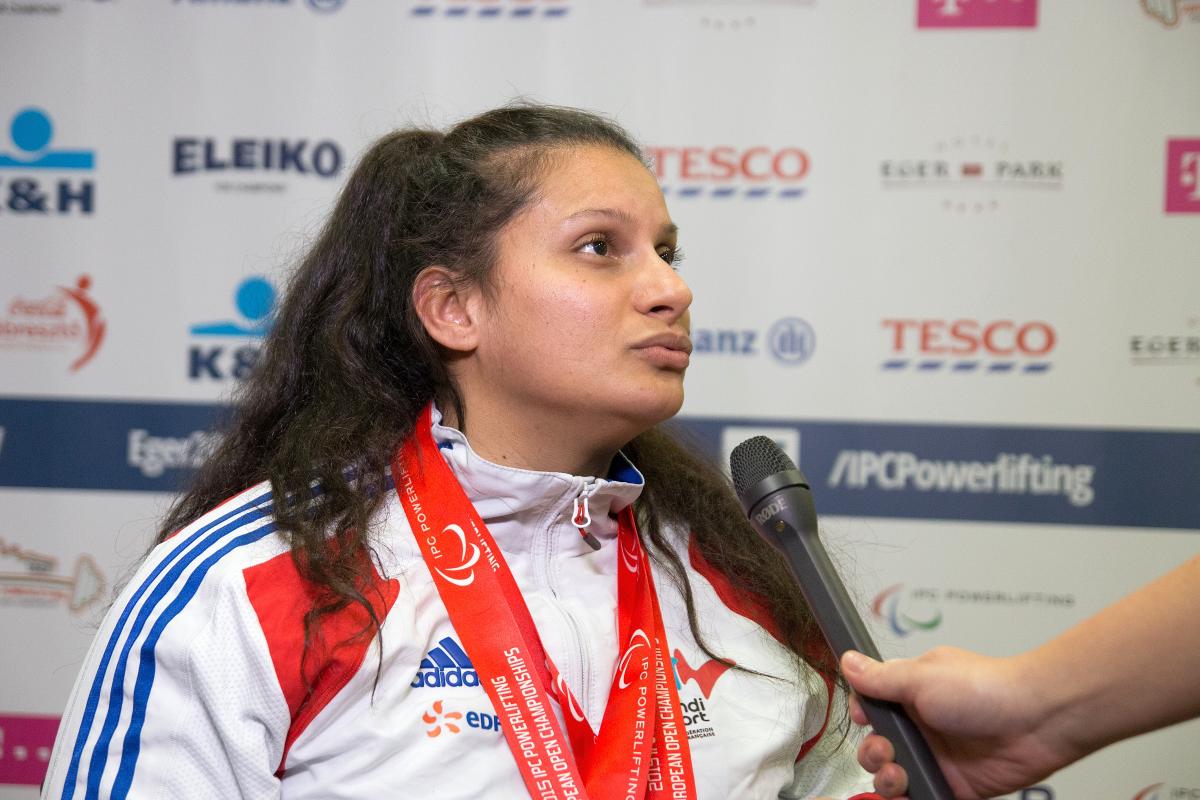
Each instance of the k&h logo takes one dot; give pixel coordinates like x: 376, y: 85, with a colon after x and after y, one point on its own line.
x: 1183, y: 176
x: 976, y: 13
x: 31, y: 132
x: 238, y: 351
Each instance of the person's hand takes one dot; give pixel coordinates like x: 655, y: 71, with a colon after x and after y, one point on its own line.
x: 981, y: 716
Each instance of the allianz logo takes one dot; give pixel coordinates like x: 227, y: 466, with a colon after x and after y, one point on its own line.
x: 446, y: 664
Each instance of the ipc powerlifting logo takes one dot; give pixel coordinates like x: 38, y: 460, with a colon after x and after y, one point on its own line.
x: 920, y: 609
x: 27, y: 189
x: 727, y: 172
x: 1171, y: 12
x: 228, y: 349
x: 1166, y: 791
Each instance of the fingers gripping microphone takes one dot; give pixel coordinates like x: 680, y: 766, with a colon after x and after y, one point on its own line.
x: 776, y: 497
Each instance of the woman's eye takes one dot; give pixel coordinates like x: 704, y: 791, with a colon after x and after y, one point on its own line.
x: 598, y: 246
x: 671, y: 255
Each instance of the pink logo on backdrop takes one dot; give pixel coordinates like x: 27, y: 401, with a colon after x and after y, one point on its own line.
x: 25, y: 744
x: 976, y: 13
x: 1183, y: 176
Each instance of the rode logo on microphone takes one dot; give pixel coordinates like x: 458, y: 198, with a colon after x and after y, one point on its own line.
x: 770, y: 509
x: 726, y: 171
x: 969, y: 345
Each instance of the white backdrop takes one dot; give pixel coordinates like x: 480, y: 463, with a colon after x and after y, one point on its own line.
x: 945, y: 251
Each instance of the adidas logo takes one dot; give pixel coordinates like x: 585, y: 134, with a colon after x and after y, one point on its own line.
x: 446, y: 665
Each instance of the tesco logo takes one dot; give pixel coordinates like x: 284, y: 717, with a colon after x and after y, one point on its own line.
x: 727, y: 171
x: 968, y: 345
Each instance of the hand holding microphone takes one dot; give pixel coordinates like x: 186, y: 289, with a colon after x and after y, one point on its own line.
x: 777, y: 499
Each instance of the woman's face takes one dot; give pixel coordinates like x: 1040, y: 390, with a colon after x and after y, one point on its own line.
x: 588, y: 318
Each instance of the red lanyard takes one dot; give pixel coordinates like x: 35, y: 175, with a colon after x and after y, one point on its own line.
x: 641, y: 750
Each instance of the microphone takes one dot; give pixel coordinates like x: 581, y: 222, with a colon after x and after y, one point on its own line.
x: 776, y: 497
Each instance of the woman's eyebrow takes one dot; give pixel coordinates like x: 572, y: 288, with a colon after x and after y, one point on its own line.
x: 668, y: 229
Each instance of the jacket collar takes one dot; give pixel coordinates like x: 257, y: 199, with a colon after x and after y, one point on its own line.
x: 503, y: 494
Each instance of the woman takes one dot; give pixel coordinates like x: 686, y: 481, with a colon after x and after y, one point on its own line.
x: 421, y: 594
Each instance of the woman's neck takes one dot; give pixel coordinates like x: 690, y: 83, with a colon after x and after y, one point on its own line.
x: 543, y: 444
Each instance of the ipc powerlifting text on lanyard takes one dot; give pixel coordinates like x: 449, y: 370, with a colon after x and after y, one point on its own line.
x: 641, y: 750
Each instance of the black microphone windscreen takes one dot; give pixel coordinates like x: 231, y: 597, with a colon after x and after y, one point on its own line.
x: 755, y: 459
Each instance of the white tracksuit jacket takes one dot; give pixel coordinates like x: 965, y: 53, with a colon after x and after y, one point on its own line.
x: 192, y: 688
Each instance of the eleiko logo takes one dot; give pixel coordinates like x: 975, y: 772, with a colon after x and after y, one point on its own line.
x: 1170, y: 12
x: 253, y: 165
x: 969, y: 345
x: 725, y: 172
x: 977, y: 13
x: 254, y: 300
x: 1183, y: 176
x: 965, y: 171
x: 31, y: 131
x: 27, y: 579
x: 67, y: 319
x: 886, y: 608
x: 436, y: 718
x: 790, y: 341
x: 493, y: 9
x: 446, y: 665
x: 705, y: 677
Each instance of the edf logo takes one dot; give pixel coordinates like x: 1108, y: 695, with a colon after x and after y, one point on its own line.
x: 255, y: 300
x: 32, y: 133
x: 726, y: 172
x: 1183, y: 176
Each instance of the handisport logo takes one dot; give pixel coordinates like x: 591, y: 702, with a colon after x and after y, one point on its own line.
x: 977, y: 13
x: 969, y: 345
x: 446, y: 665
x: 920, y: 609
x: 1009, y: 473
x: 974, y: 173
x: 1183, y: 176
x: 493, y: 9
x: 1170, y: 12
x: 705, y: 676
x: 755, y: 172
x: 789, y: 340
x: 319, y: 6
x: 30, y: 579
x: 32, y: 134
x: 153, y: 455
x: 236, y: 354
x: 67, y: 319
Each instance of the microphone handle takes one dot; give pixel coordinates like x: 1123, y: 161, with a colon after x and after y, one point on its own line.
x: 844, y: 630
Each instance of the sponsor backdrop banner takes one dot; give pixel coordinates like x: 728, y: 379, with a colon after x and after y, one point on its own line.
x: 943, y: 251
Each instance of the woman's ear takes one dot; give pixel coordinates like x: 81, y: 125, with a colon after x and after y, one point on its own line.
x: 448, y: 308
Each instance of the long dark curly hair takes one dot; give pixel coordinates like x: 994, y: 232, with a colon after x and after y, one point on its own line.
x: 348, y: 367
